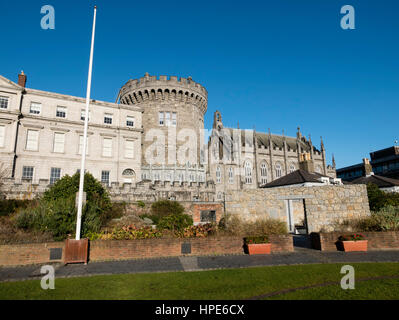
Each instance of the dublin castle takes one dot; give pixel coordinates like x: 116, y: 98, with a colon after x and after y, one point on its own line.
x: 150, y: 143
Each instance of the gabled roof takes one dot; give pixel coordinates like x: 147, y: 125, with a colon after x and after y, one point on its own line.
x: 381, y: 182
x: 11, y: 83
x: 297, y: 177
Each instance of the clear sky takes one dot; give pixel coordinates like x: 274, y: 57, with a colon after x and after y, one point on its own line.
x: 270, y: 64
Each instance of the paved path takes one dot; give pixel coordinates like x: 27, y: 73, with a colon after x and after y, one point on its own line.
x: 190, y: 263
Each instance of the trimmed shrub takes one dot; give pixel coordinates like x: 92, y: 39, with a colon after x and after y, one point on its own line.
x: 175, y: 222
x: 163, y: 208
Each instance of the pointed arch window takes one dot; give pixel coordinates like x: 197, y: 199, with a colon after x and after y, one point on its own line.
x: 218, y: 175
x: 279, y: 171
x: 263, y: 173
x: 231, y: 176
x: 248, y: 172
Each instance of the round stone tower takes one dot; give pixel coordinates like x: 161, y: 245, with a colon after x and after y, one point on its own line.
x: 174, y: 108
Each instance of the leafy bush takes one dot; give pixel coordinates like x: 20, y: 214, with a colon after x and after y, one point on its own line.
x: 163, y: 208
x: 56, y: 212
x: 256, y: 240
x: 154, y: 218
x: 8, y: 207
x: 234, y: 225
x: 199, y: 231
x: 379, y: 199
x: 141, y: 204
x: 352, y: 237
x: 175, y: 222
x: 386, y: 219
x: 126, y: 233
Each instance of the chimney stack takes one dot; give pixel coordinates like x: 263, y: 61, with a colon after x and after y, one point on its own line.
x: 22, y: 79
x: 368, y: 169
x: 306, y: 162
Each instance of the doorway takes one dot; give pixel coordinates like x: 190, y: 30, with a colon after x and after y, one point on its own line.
x: 296, y: 216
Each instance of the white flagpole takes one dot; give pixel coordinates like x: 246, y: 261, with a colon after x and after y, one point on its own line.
x: 82, y: 167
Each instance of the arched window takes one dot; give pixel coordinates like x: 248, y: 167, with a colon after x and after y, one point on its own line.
x: 128, y: 175
x: 231, y: 176
x: 263, y: 173
x: 218, y: 175
x: 279, y: 171
x: 292, y: 168
x: 220, y: 196
x: 248, y: 172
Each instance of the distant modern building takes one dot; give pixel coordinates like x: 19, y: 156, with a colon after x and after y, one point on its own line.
x: 383, y: 162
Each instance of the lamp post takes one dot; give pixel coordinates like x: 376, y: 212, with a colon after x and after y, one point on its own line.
x: 82, y: 167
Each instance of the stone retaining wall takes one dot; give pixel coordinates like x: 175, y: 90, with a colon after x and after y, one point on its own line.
x: 324, y: 205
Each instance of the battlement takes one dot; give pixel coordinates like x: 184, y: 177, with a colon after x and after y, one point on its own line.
x: 149, y: 88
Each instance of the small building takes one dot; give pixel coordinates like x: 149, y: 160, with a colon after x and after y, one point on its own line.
x: 384, y: 183
x: 303, y: 178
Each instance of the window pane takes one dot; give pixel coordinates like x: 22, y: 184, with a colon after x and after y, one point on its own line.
x: 59, y: 142
x: 107, y: 147
x: 35, y: 108
x: 2, y: 134
x: 27, y: 173
x: 129, y: 151
x: 3, y: 102
x: 130, y: 121
x: 161, y: 119
x: 81, y: 145
x: 61, y: 112
x: 55, y: 175
x: 108, y: 119
x: 32, y: 140
x: 105, y: 177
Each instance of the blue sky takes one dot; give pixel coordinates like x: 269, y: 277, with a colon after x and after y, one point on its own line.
x: 270, y: 64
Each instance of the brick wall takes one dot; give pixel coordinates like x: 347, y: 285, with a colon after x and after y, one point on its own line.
x: 24, y: 254
x: 376, y: 240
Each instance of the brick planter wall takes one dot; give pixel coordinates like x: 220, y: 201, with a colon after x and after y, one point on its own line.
x: 25, y: 254
x: 376, y: 240
x: 101, y: 250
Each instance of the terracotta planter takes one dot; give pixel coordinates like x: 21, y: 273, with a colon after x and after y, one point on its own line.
x: 349, y: 246
x: 259, y: 248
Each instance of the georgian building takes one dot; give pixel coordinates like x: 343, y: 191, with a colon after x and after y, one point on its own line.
x: 140, y: 138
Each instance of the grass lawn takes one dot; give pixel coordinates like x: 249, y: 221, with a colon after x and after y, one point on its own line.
x: 218, y: 284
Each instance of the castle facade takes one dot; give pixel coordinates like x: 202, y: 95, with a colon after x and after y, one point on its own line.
x: 152, y: 135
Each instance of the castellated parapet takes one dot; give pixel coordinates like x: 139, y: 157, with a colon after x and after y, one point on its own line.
x: 173, y: 107
x: 152, y: 88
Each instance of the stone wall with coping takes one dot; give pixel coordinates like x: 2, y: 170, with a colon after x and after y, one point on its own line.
x: 324, y: 205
